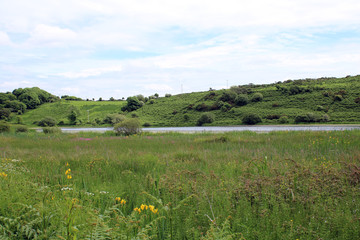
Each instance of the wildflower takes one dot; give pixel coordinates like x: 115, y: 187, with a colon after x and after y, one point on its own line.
x: 68, y: 176
x: 67, y: 172
x: 3, y: 174
x: 103, y: 192
x: 137, y: 210
x: 66, y: 188
x: 155, y: 211
x: 123, y: 202
x: 67, y: 164
x: 143, y: 206
x: 118, y: 199
x: 89, y: 194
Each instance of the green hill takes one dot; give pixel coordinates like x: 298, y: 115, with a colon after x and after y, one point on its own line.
x: 331, y: 100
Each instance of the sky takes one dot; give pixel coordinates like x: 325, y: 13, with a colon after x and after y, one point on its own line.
x: 117, y: 48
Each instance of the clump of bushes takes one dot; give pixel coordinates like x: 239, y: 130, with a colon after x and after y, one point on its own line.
x: 283, y: 119
x: 251, y: 119
x: 47, y: 122
x: 311, y: 117
x: 21, y: 129
x: 241, y: 100
x: 257, y: 97
x: 206, y: 118
x: 113, y: 118
x: 51, y: 130
x: 128, y: 127
x: 4, y: 127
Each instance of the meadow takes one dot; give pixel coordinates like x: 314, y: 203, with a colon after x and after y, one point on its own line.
x: 238, y: 185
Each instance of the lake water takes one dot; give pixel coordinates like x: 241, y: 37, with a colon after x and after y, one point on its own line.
x: 268, y: 128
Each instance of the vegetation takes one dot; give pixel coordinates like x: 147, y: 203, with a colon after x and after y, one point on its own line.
x: 176, y: 186
x: 331, y: 100
x: 206, y: 118
x: 251, y: 119
x: 128, y: 127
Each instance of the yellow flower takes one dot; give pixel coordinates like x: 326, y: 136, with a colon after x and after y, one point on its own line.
x: 123, y: 202
x: 68, y: 176
x: 3, y: 174
x: 67, y: 164
x: 137, y: 210
x: 155, y: 211
x: 143, y: 206
x: 67, y: 172
x: 151, y: 207
x: 117, y: 199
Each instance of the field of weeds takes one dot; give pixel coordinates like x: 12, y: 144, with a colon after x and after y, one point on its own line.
x: 280, y: 185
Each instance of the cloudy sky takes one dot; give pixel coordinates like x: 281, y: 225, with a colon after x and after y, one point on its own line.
x: 120, y: 48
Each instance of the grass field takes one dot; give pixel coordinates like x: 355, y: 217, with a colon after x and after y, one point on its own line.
x: 280, y: 185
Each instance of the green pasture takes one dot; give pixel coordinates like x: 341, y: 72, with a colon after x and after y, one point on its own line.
x: 244, y: 185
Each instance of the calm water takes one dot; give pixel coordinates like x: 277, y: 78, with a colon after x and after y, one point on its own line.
x: 228, y: 128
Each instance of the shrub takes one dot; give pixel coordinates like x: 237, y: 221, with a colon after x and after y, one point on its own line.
x: 21, y: 129
x: 186, y: 117
x: 51, y: 130
x: 226, y: 107
x: 357, y: 100
x: 133, y: 104
x: 241, y: 100
x: 4, y: 127
x: 319, y: 108
x: 325, y: 118
x: 257, y: 97
x: 228, y: 96
x: 283, y: 119
x: 206, y: 118
x: 128, y: 127
x: 152, y: 101
x: 307, y: 118
x: 338, y: 98
x: 167, y: 95
x: 251, y: 119
x: 113, y: 118
x: 146, y: 124
x: 202, y: 107
x: 47, y: 122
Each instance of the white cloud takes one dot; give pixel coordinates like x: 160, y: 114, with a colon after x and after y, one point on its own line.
x: 158, y: 87
x: 51, y: 35
x: 90, y: 72
x: 4, y: 39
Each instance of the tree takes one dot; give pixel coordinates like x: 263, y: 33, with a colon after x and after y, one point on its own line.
x: 72, y: 116
x: 133, y: 104
x: 241, y: 100
x: 257, y: 97
x: 251, y: 119
x: 206, y: 118
x: 128, y: 127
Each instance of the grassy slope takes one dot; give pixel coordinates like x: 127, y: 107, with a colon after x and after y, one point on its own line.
x: 170, y: 111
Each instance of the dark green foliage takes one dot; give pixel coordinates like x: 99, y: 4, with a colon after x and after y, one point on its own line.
x: 33, y: 97
x: 21, y: 129
x: 307, y: 118
x: 241, y: 89
x: 4, y: 127
x: 251, y: 119
x: 146, y: 124
x: 283, y: 119
x: 72, y: 117
x: 112, y: 99
x: 241, y: 100
x: 128, y: 127
x: 357, y: 100
x: 5, y: 113
x: 51, y: 130
x: 113, y: 118
x: 15, y: 106
x: 226, y: 107
x: 338, y: 97
x: 140, y: 97
x: 202, y: 107
x: 319, y: 108
x: 167, y: 95
x: 133, y: 104
x: 186, y: 117
x: 47, y: 122
x: 206, y: 118
x: 257, y: 97
x: 228, y: 96
x: 70, y: 98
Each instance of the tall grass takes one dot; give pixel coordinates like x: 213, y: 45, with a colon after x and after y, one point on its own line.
x: 280, y: 185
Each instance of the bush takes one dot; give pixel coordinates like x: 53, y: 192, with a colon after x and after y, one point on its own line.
x: 228, y: 96
x: 128, y: 127
x: 206, y: 118
x: 283, y: 119
x: 133, y: 104
x: 146, y: 124
x: 186, y: 117
x: 167, y: 95
x: 338, y: 98
x: 114, y: 118
x: 319, y: 108
x: 251, y: 119
x: 257, y: 97
x: 21, y: 129
x: 307, y: 118
x: 241, y: 100
x: 357, y: 100
x: 47, y: 122
x: 4, y: 127
x: 325, y: 118
x: 51, y: 130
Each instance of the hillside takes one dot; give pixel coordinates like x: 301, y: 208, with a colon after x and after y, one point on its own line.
x: 331, y: 100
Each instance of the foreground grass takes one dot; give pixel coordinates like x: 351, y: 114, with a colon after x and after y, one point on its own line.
x: 282, y: 185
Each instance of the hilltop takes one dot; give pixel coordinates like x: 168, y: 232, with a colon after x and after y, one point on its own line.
x: 330, y: 100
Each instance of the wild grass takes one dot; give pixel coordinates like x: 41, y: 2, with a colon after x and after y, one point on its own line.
x: 244, y: 185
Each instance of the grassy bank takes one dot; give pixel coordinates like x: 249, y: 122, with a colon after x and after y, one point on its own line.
x: 327, y: 100
x: 280, y: 185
